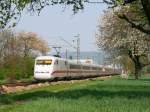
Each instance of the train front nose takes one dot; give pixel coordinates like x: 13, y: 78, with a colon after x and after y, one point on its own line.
x: 42, y: 73
x: 42, y: 69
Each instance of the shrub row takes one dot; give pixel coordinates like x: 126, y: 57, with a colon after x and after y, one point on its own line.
x: 16, y: 69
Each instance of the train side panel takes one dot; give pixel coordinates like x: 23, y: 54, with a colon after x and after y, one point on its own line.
x: 60, y: 69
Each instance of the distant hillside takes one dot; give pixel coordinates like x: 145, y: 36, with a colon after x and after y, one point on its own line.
x: 96, y: 56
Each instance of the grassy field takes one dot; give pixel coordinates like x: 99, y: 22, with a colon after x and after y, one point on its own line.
x: 110, y: 95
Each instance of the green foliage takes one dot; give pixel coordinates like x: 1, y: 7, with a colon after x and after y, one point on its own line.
x: 27, y: 66
x: 17, y: 69
x: 146, y: 69
x: 11, y: 10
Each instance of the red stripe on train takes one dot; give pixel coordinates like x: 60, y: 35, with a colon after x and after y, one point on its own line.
x: 75, y: 71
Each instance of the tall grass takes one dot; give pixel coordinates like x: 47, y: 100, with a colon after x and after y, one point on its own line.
x: 112, y: 95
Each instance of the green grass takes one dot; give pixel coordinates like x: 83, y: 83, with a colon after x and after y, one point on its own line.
x: 112, y: 95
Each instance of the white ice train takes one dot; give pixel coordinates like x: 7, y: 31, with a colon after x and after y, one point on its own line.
x: 49, y: 67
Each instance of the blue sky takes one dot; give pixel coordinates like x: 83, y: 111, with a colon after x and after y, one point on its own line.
x: 55, y: 22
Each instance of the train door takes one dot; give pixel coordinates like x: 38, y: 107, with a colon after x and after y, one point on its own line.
x: 66, y: 68
x: 63, y: 68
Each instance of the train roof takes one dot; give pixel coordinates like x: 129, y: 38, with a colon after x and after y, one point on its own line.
x: 49, y: 57
x: 46, y: 57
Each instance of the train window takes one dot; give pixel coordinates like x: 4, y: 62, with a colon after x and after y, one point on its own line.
x: 94, y: 68
x: 75, y: 66
x: 100, y: 68
x: 86, y: 67
x: 43, y: 62
x: 56, y: 62
x: 65, y: 62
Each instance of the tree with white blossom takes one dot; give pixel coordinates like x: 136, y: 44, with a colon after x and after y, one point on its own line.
x: 116, y: 37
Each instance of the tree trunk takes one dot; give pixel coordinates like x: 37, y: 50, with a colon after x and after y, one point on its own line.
x: 138, y: 67
x: 146, y: 7
x: 137, y: 71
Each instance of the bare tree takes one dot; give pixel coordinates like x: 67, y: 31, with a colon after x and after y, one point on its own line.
x: 31, y: 43
x: 8, y: 44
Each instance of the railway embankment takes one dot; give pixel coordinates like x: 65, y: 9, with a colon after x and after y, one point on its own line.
x: 23, y: 86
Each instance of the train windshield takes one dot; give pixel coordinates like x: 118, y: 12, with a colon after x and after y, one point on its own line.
x: 43, y: 62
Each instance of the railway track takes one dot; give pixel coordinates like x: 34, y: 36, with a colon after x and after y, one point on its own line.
x: 21, y: 86
x: 17, y: 84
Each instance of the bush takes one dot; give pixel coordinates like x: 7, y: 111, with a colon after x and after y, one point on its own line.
x: 146, y: 69
x: 27, y: 64
x: 17, y: 68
